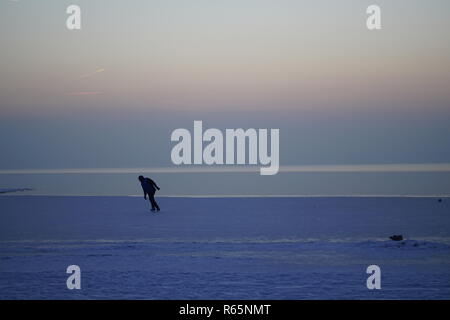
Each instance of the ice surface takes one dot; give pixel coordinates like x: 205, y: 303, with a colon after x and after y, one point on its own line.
x: 224, y: 248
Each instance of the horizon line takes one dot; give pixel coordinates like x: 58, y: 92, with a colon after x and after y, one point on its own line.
x: 344, y: 168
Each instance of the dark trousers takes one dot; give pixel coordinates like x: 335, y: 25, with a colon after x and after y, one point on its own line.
x: 151, y: 198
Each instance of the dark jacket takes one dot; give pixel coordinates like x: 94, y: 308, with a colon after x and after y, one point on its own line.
x: 149, y: 186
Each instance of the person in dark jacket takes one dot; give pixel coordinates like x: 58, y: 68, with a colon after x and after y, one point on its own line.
x: 149, y: 187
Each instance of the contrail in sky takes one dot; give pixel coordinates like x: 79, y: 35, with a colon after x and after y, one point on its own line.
x: 88, y: 75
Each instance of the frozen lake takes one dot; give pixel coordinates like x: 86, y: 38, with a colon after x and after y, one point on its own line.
x: 224, y: 248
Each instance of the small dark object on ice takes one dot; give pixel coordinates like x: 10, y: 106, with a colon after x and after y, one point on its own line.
x: 440, y: 200
x: 396, y: 237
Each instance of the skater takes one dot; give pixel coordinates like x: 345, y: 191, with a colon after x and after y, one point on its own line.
x: 148, y: 185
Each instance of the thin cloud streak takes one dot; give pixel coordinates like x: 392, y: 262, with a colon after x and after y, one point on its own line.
x: 85, y: 93
x: 363, y: 168
x: 88, y: 75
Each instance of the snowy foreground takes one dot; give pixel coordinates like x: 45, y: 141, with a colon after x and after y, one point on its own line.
x: 223, y: 248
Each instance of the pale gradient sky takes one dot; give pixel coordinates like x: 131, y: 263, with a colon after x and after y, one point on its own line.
x: 213, y: 54
x: 111, y: 94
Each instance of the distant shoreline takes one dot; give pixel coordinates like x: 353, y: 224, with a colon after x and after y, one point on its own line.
x: 227, y: 196
x: 13, y: 190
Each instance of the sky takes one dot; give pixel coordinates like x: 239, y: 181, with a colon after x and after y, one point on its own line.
x: 109, y: 95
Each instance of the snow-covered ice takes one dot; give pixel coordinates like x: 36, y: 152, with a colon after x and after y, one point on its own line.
x: 224, y: 248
